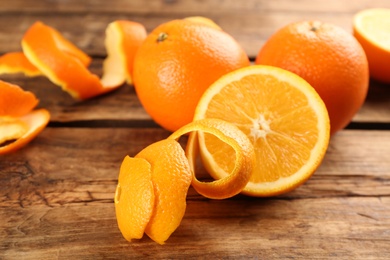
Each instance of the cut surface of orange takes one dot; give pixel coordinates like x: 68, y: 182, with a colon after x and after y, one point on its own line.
x: 371, y: 28
x: 134, y: 197
x: 243, y: 161
x: 283, y: 117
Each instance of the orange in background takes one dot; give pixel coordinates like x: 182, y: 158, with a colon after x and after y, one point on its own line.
x: 177, y: 62
x: 329, y: 58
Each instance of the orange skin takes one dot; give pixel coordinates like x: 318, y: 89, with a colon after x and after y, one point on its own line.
x: 177, y: 62
x: 17, y: 103
x: 14, y: 101
x: 329, y: 58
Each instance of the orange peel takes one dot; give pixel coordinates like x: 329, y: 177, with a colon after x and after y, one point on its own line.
x: 16, y: 62
x: 234, y: 182
x: 47, y: 52
x: 18, y: 123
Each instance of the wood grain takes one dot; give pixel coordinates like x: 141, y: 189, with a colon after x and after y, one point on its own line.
x: 251, y: 22
x: 59, y: 191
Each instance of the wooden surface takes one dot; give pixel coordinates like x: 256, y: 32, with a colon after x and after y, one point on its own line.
x: 56, y: 194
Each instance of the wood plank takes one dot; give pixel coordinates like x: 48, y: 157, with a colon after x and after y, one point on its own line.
x: 56, y: 199
x: 251, y: 23
x: 81, y: 165
x: 341, y: 228
x: 122, y: 107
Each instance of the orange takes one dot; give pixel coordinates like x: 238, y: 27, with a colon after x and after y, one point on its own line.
x: 371, y: 28
x: 282, y: 115
x: 329, y: 58
x: 18, y: 123
x: 176, y: 63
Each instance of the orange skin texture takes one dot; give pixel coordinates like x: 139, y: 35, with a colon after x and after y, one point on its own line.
x: 378, y: 58
x: 17, y: 62
x: 19, y: 104
x: 171, y: 74
x: 329, y: 58
x: 14, y: 101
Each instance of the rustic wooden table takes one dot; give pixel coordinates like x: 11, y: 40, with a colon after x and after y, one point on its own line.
x: 56, y: 194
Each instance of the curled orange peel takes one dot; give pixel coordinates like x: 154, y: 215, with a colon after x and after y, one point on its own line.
x: 65, y: 65
x: 19, y: 123
x: 233, y: 183
x: 16, y: 62
x: 152, y: 187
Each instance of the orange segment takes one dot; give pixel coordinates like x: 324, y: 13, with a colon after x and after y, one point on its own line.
x: 134, y: 197
x: 16, y: 62
x: 171, y: 177
x: 35, y: 121
x: 14, y: 101
x: 283, y: 117
x: 232, y: 182
x: 371, y: 28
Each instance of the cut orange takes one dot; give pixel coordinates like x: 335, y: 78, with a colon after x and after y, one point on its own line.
x: 18, y: 124
x: 231, y: 184
x: 282, y: 115
x: 371, y: 28
x: 16, y: 62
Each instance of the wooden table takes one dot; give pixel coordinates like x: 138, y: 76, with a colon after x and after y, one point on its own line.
x: 56, y: 194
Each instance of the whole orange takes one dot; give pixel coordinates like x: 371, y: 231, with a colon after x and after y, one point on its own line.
x: 176, y: 63
x: 327, y: 57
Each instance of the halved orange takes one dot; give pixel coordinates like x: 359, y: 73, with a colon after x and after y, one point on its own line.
x: 371, y: 28
x: 283, y: 117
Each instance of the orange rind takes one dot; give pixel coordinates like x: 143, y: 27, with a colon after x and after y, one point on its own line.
x: 233, y: 182
x: 46, y: 52
x: 18, y: 123
x: 16, y: 62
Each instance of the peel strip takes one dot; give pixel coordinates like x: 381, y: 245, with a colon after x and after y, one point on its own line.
x: 233, y: 183
x: 50, y: 54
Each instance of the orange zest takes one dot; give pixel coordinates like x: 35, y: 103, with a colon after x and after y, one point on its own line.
x: 151, y: 192
x: 232, y: 183
x: 152, y: 187
x: 18, y: 123
x: 16, y: 62
x: 47, y: 52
